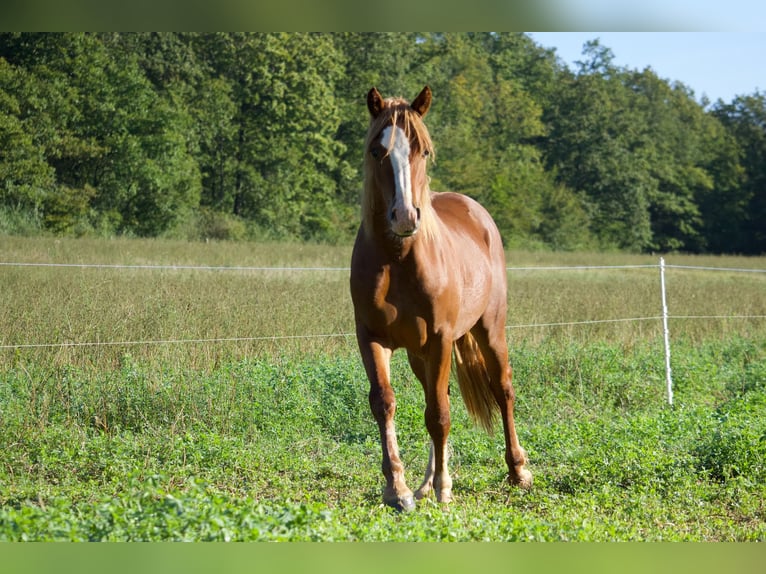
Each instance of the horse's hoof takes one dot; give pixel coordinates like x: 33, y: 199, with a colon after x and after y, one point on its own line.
x: 402, y: 503
x: 444, y: 497
x: 523, y: 480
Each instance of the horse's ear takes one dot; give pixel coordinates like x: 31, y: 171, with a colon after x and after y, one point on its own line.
x: 375, y: 102
x: 422, y: 102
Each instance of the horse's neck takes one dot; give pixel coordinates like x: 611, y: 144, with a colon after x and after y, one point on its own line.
x: 396, y: 250
x: 410, y: 253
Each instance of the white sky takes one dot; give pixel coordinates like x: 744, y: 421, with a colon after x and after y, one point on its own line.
x: 664, y: 15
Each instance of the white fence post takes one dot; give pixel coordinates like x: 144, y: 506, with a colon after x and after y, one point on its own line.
x: 666, y: 332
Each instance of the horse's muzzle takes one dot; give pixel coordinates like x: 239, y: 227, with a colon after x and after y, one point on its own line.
x: 405, y: 223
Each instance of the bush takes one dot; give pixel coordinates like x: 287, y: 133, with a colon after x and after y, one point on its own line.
x: 14, y: 221
x: 207, y: 224
x: 736, y: 447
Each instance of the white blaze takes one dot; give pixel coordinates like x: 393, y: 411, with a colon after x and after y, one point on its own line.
x: 405, y: 219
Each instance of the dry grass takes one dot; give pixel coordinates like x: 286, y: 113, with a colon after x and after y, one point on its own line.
x: 237, y: 313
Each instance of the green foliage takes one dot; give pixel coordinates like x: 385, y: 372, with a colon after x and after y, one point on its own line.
x: 149, y: 512
x: 144, y: 133
x: 211, y: 224
x: 265, y: 450
x: 65, y: 208
x: 735, y: 449
x: 20, y: 222
x: 104, y: 132
x: 744, y: 120
x: 592, y: 148
x: 24, y: 173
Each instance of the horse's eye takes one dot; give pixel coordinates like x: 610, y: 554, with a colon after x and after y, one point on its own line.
x: 374, y: 152
x: 426, y: 153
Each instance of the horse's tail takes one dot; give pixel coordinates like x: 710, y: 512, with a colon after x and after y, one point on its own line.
x: 473, y: 380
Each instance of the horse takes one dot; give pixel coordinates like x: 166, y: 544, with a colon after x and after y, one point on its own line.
x: 428, y: 274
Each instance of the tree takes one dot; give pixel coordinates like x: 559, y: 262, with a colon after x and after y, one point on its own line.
x: 674, y: 152
x: 485, y: 125
x: 281, y: 138
x: 593, y: 147
x: 390, y: 61
x: 118, y: 150
x: 25, y: 175
x: 742, y: 212
x: 136, y: 132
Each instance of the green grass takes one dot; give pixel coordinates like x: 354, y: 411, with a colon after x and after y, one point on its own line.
x: 273, y: 440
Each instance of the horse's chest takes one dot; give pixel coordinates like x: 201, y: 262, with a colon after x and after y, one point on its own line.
x: 404, y: 309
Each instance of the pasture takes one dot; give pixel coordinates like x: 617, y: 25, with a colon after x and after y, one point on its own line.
x: 231, y: 404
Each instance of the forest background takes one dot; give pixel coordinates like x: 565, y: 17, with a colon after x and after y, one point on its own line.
x: 259, y: 136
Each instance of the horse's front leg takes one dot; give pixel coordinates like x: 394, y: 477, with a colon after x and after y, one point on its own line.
x: 438, y: 417
x: 428, y: 479
x: 377, y: 358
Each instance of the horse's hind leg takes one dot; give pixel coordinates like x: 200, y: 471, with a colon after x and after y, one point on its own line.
x: 493, y: 347
x: 418, y: 367
x: 376, y: 360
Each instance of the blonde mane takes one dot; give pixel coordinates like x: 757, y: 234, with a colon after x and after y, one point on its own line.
x: 397, y: 111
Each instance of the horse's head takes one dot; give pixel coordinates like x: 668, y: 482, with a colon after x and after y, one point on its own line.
x: 396, y: 151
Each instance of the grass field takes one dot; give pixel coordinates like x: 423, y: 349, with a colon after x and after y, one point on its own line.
x: 235, y: 406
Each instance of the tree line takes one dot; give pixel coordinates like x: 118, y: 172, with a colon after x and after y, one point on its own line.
x: 243, y: 135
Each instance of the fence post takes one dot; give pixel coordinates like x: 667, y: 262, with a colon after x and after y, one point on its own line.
x: 666, y: 332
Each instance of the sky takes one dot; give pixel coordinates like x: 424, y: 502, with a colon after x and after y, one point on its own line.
x: 716, y: 64
x: 661, y: 15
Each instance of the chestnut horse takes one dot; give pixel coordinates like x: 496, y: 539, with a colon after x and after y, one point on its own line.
x: 428, y: 274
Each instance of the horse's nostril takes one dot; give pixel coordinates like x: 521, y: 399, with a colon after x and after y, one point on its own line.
x: 393, y: 214
x: 417, y: 211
